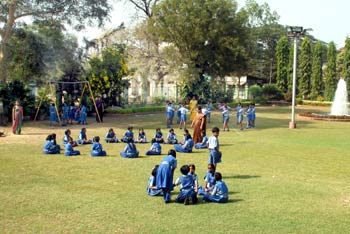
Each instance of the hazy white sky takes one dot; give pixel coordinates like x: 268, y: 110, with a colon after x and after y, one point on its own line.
x: 329, y: 19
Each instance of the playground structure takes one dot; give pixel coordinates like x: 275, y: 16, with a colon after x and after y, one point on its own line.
x: 50, y: 84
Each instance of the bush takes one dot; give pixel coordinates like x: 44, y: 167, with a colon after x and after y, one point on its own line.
x: 158, y: 100
x: 271, y: 92
x: 137, y: 110
x: 255, y: 92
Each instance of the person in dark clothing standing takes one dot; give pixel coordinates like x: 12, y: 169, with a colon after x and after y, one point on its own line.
x: 100, y: 109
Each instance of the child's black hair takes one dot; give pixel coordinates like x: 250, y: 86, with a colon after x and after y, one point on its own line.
x: 213, y: 168
x: 96, y: 139
x: 111, y: 129
x: 185, y: 169
x: 66, y: 132
x: 215, y: 129
x: 192, y: 165
x: 130, y: 128
x: 172, y: 152
x: 186, y: 131
x: 154, y: 170
x: 157, y: 129
x: 49, y: 137
x: 204, y: 133
x: 217, y: 176
x: 171, y: 130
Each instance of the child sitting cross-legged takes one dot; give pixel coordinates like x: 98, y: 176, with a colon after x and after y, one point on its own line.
x: 111, y: 137
x: 130, y: 150
x: 187, y: 195
x: 50, y: 146
x: 203, y: 144
x: 219, y: 193
x: 69, y: 148
x: 152, y: 187
x: 96, y: 149
x: 171, y: 138
x: 83, y: 140
x: 156, y: 149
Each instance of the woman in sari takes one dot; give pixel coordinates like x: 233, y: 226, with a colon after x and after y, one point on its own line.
x: 193, y: 108
x: 17, y: 118
x: 199, y: 125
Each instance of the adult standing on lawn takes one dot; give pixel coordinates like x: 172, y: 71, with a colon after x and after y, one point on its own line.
x: 193, y: 106
x: 165, y: 174
x: 100, y: 109
x: 2, y: 113
x: 199, y: 125
x: 17, y: 118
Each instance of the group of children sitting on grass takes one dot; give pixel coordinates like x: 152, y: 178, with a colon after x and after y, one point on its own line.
x: 214, y: 190
x: 130, y: 150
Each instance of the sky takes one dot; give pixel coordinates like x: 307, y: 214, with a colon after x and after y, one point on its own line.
x: 329, y: 19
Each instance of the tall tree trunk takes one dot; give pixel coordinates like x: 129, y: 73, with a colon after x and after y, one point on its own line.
x: 5, y: 35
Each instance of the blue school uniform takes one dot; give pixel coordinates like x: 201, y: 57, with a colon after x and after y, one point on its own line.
x: 70, y: 151
x: 111, y: 137
x: 178, y: 115
x: 171, y: 139
x: 83, y: 139
x: 66, y: 139
x: 158, y: 137
x: 186, y: 188
x: 51, y: 148
x: 186, y: 148
x: 130, y: 151
x: 219, y: 193
x: 240, y: 112
x: 253, y: 117
x: 209, y: 107
x: 96, y: 150
x: 203, y: 144
x: 225, y: 116
x: 53, y: 114
x: 214, y: 153
x: 128, y: 135
x: 83, y: 115
x: 72, y: 113
x: 156, y: 149
x: 210, y: 181
x: 152, y: 183
x: 164, y: 179
x: 142, y: 137
x: 65, y: 113
x: 249, y: 116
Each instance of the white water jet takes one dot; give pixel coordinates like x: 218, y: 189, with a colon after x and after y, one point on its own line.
x: 340, y: 103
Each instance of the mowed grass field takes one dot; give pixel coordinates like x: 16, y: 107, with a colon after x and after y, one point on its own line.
x: 280, y: 180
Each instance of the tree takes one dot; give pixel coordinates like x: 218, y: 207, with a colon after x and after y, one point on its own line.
x: 105, y: 74
x: 316, y: 75
x: 210, y: 36
x: 73, y: 12
x: 282, y: 54
x: 305, y: 69
x: 265, y: 33
x: 290, y: 69
x: 346, y: 64
x: 331, y: 72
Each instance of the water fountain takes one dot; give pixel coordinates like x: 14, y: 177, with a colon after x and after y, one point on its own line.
x: 339, y: 109
x: 340, y: 102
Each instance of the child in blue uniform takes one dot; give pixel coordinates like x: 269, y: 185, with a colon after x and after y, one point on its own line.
x: 83, y: 138
x: 183, y: 111
x: 187, y: 146
x: 213, y: 147
x: 209, y: 180
x: 65, y: 114
x: 128, y: 135
x: 50, y: 147
x: 130, y: 150
x: 141, y: 138
x: 69, y: 149
x: 240, y: 112
x: 171, y: 138
x: 225, y: 117
x: 219, y: 193
x: 83, y: 115
x: 165, y: 173
x: 111, y: 137
x: 67, y: 138
x: 158, y: 136
x: 187, y: 195
x: 249, y: 116
x: 96, y: 149
x: 209, y: 108
x: 156, y: 149
x: 53, y: 114
x: 195, y: 177
x: 253, y: 116
x: 203, y: 144
x: 151, y: 186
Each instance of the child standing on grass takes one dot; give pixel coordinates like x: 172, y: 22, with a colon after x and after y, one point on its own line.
x: 151, y: 186
x: 96, y: 149
x: 83, y: 138
x: 239, y: 114
x: 213, y: 147
x: 53, y: 114
x: 187, y: 195
x: 165, y: 174
x: 183, y: 111
x: 219, y: 193
x: 225, y: 117
x: 111, y: 137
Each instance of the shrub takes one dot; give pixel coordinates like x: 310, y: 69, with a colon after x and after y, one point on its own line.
x: 158, y: 100
x: 255, y: 92
x: 271, y: 92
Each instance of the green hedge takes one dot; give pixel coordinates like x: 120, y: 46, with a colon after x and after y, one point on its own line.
x: 137, y: 110
x: 315, y: 103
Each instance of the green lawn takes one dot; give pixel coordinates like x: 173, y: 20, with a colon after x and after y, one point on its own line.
x: 280, y: 181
